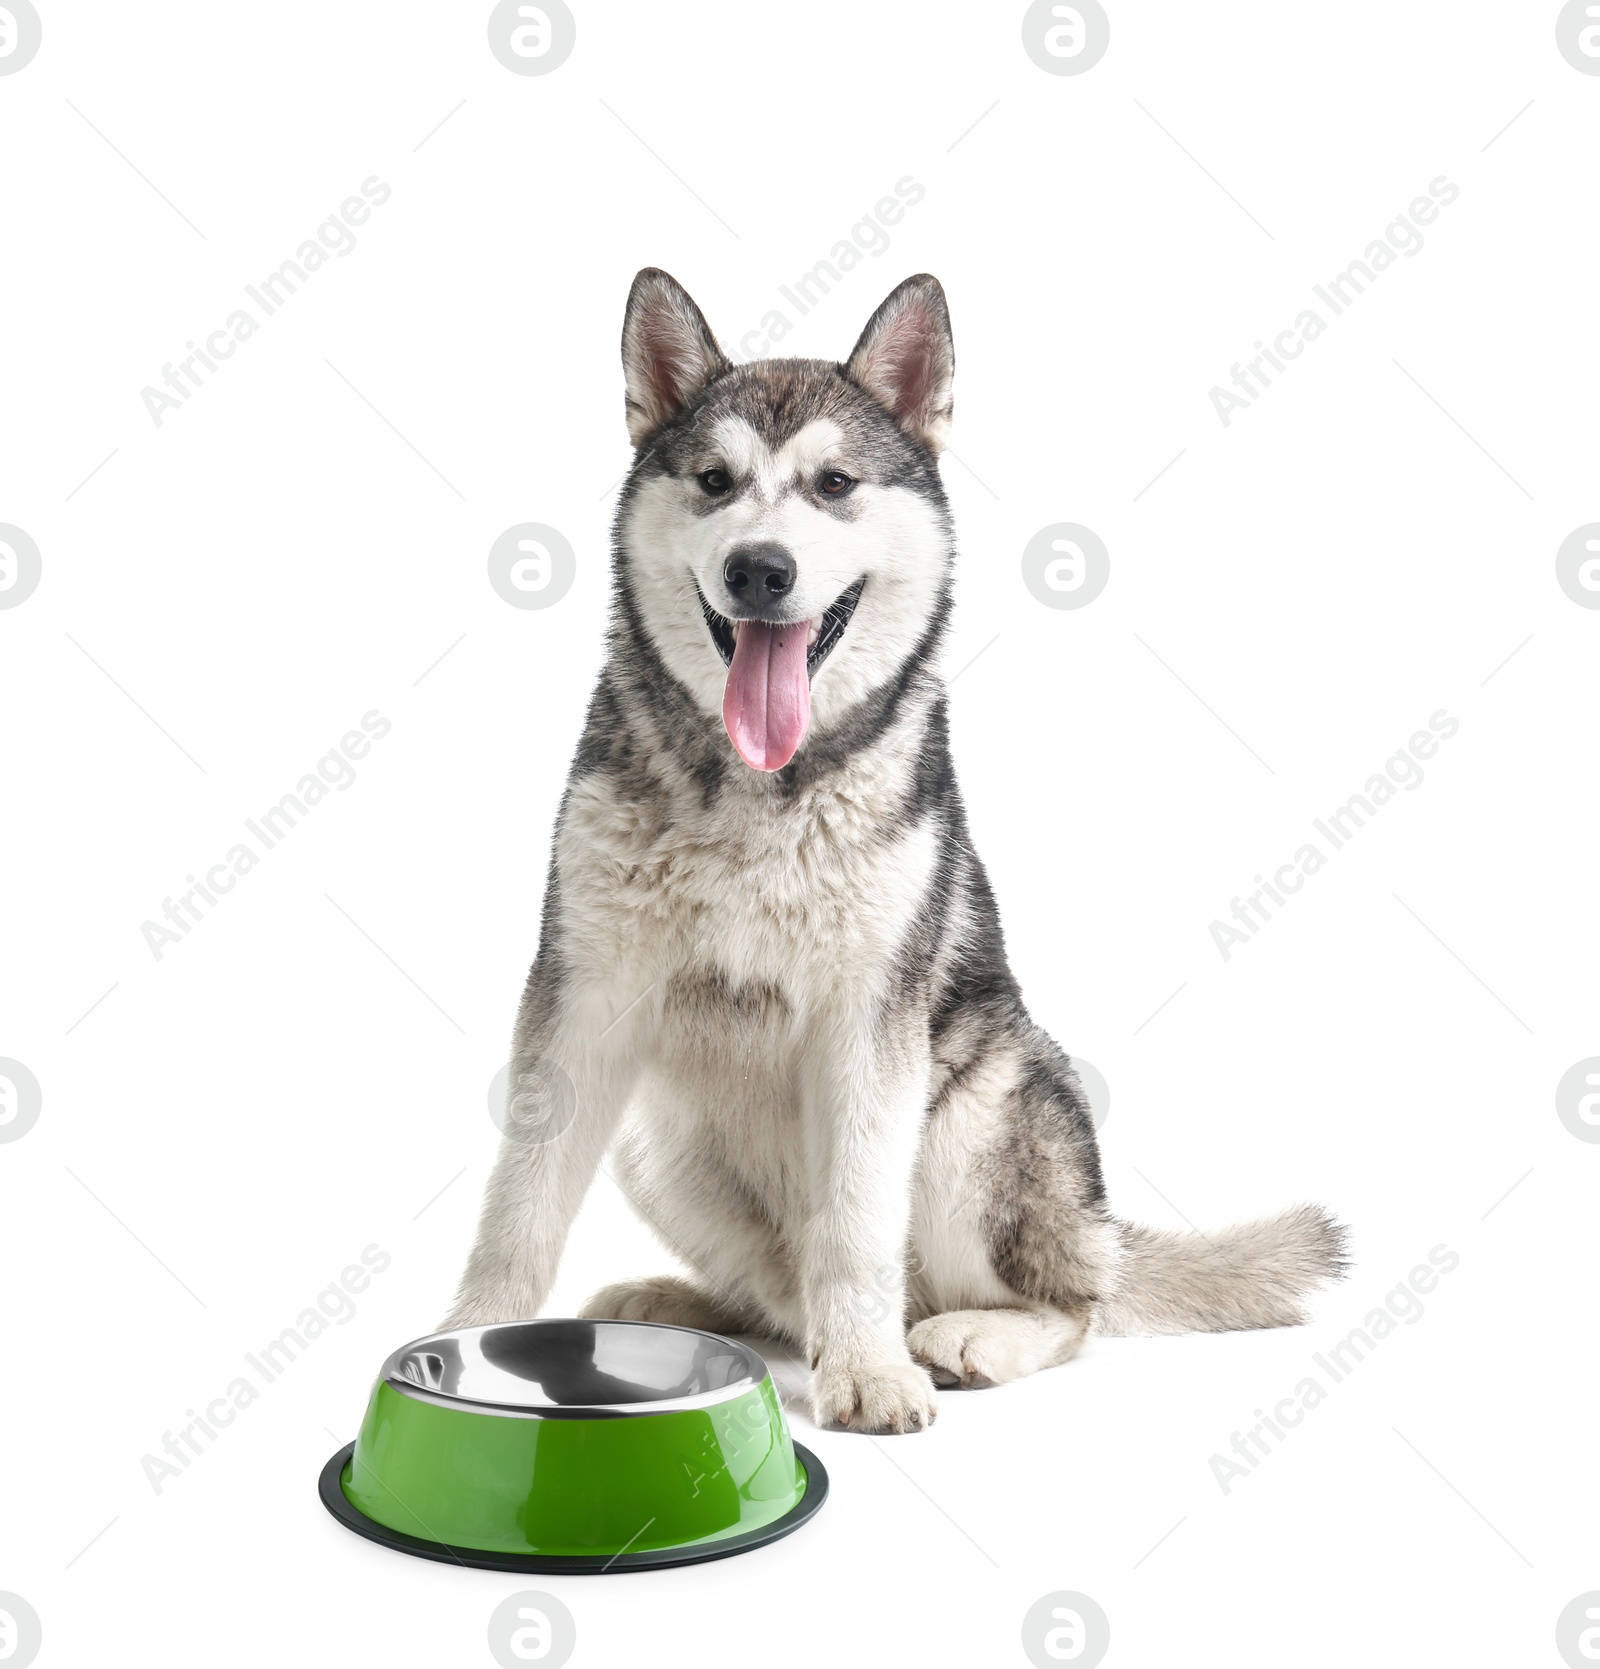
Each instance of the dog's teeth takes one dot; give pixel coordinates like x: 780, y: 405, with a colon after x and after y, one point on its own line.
x: 814, y: 634
x: 736, y: 625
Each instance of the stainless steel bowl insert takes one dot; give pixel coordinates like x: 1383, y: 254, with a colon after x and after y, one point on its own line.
x: 574, y: 1370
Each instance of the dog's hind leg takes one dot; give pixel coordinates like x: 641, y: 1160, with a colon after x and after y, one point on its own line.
x: 672, y: 1300
x: 1011, y: 1247
x: 971, y: 1348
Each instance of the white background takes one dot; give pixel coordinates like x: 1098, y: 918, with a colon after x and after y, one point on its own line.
x: 273, y: 561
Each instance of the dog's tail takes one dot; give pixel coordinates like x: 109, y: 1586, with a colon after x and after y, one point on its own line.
x: 1253, y: 1275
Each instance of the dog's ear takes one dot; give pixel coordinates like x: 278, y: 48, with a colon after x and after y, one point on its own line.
x: 668, y: 351
x: 906, y: 359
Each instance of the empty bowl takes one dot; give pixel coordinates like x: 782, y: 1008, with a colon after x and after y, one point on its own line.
x: 573, y: 1446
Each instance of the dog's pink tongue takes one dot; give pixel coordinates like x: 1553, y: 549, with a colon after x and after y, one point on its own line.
x: 767, y: 704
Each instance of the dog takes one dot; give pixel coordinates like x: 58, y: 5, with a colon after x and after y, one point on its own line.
x: 770, y: 978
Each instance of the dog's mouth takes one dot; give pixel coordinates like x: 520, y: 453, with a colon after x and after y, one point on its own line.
x: 766, y: 704
x: 822, y: 637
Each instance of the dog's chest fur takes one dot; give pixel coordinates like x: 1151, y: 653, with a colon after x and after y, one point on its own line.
x: 761, y: 912
x: 756, y: 925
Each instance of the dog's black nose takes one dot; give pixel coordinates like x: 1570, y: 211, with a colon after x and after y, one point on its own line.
x: 758, y: 572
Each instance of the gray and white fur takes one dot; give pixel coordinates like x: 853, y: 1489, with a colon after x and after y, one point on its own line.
x: 775, y: 987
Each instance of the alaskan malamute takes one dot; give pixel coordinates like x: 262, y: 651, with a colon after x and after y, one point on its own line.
x: 771, y: 967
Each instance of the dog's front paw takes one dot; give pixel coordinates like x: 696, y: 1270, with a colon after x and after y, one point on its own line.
x: 873, y: 1397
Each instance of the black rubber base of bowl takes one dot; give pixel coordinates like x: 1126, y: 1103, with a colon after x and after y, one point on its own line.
x: 572, y: 1564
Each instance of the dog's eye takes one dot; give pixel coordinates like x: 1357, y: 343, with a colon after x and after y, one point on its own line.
x: 834, y: 482
x: 715, y: 481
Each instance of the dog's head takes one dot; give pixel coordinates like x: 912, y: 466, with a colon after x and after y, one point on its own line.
x: 784, y: 538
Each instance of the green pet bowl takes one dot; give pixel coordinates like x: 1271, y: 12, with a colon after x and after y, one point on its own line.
x: 573, y: 1446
